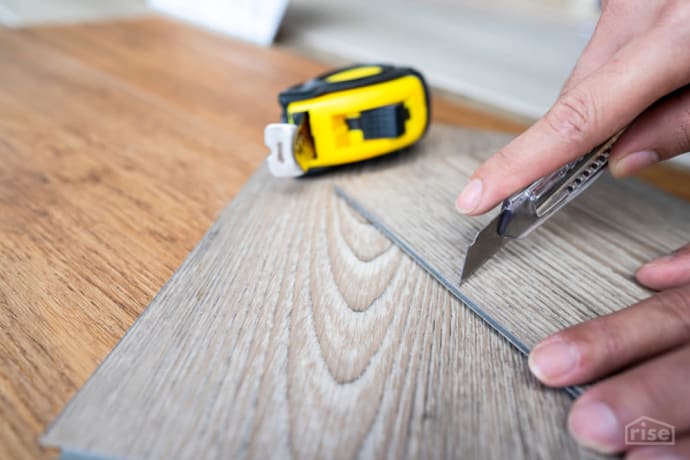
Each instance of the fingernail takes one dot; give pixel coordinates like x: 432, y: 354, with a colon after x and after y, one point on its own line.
x: 554, y: 359
x: 594, y: 425
x: 470, y: 196
x: 633, y: 162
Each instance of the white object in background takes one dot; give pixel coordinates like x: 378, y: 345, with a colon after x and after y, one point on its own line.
x: 256, y: 21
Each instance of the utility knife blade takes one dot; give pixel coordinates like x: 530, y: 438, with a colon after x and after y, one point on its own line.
x: 486, y: 243
x: 530, y: 208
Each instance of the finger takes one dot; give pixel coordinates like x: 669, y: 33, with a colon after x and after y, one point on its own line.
x: 582, y: 118
x: 678, y: 451
x: 666, y: 272
x: 661, y: 132
x: 657, y: 389
x: 603, y: 345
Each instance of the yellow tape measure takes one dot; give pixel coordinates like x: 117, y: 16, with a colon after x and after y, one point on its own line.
x: 347, y: 115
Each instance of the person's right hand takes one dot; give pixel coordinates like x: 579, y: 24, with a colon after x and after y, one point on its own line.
x: 639, y: 361
x: 634, y: 71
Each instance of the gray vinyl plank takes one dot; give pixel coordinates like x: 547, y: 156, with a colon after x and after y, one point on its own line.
x: 578, y: 266
x: 295, y: 329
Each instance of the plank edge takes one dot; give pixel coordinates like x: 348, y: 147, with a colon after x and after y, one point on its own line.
x: 573, y: 391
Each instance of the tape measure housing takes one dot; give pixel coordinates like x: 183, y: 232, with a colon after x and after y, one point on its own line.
x: 356, y: 113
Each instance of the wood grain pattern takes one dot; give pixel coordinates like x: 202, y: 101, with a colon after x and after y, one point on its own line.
x: 578, y: 266
x: 295, y: 329
x: 103, y: 191
x: 214, y: 77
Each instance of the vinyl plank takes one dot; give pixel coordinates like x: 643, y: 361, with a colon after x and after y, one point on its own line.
x: 578, y: 266
x: 296, y: 329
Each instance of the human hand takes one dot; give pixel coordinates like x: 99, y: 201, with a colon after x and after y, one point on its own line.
x: 649, y: 343
x: 634, y: 71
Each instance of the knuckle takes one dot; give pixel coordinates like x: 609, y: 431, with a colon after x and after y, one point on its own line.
x: 597, y: 340
x: 503, y: 158
x: 608, y: 338
x: 646, y: 388
x: 572, y: 116
x: 675, y: 303
x: 500, y: 167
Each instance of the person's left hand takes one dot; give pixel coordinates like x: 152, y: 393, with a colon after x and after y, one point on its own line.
x: 642, y: 356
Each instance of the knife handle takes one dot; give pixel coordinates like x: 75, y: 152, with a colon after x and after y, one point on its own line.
x: 531, y: 207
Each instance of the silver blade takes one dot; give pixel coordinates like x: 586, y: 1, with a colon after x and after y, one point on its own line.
x: 485, y: 244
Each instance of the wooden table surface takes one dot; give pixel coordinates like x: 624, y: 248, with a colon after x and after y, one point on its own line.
x: 120, y: 142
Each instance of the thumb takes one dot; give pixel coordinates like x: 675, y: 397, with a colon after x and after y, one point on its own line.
x: 668, y: 271
x: 582, y: 118
x: 661, y: 132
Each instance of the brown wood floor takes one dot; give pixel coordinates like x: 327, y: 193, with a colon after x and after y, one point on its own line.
x: 87, y: 240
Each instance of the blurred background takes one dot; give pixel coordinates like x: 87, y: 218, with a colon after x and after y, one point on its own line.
x: 508, y: 55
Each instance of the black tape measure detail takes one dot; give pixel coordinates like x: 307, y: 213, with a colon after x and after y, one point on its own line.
x: 381, y: 123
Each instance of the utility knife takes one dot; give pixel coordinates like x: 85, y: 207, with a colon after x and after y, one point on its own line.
x: 528, y: 209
